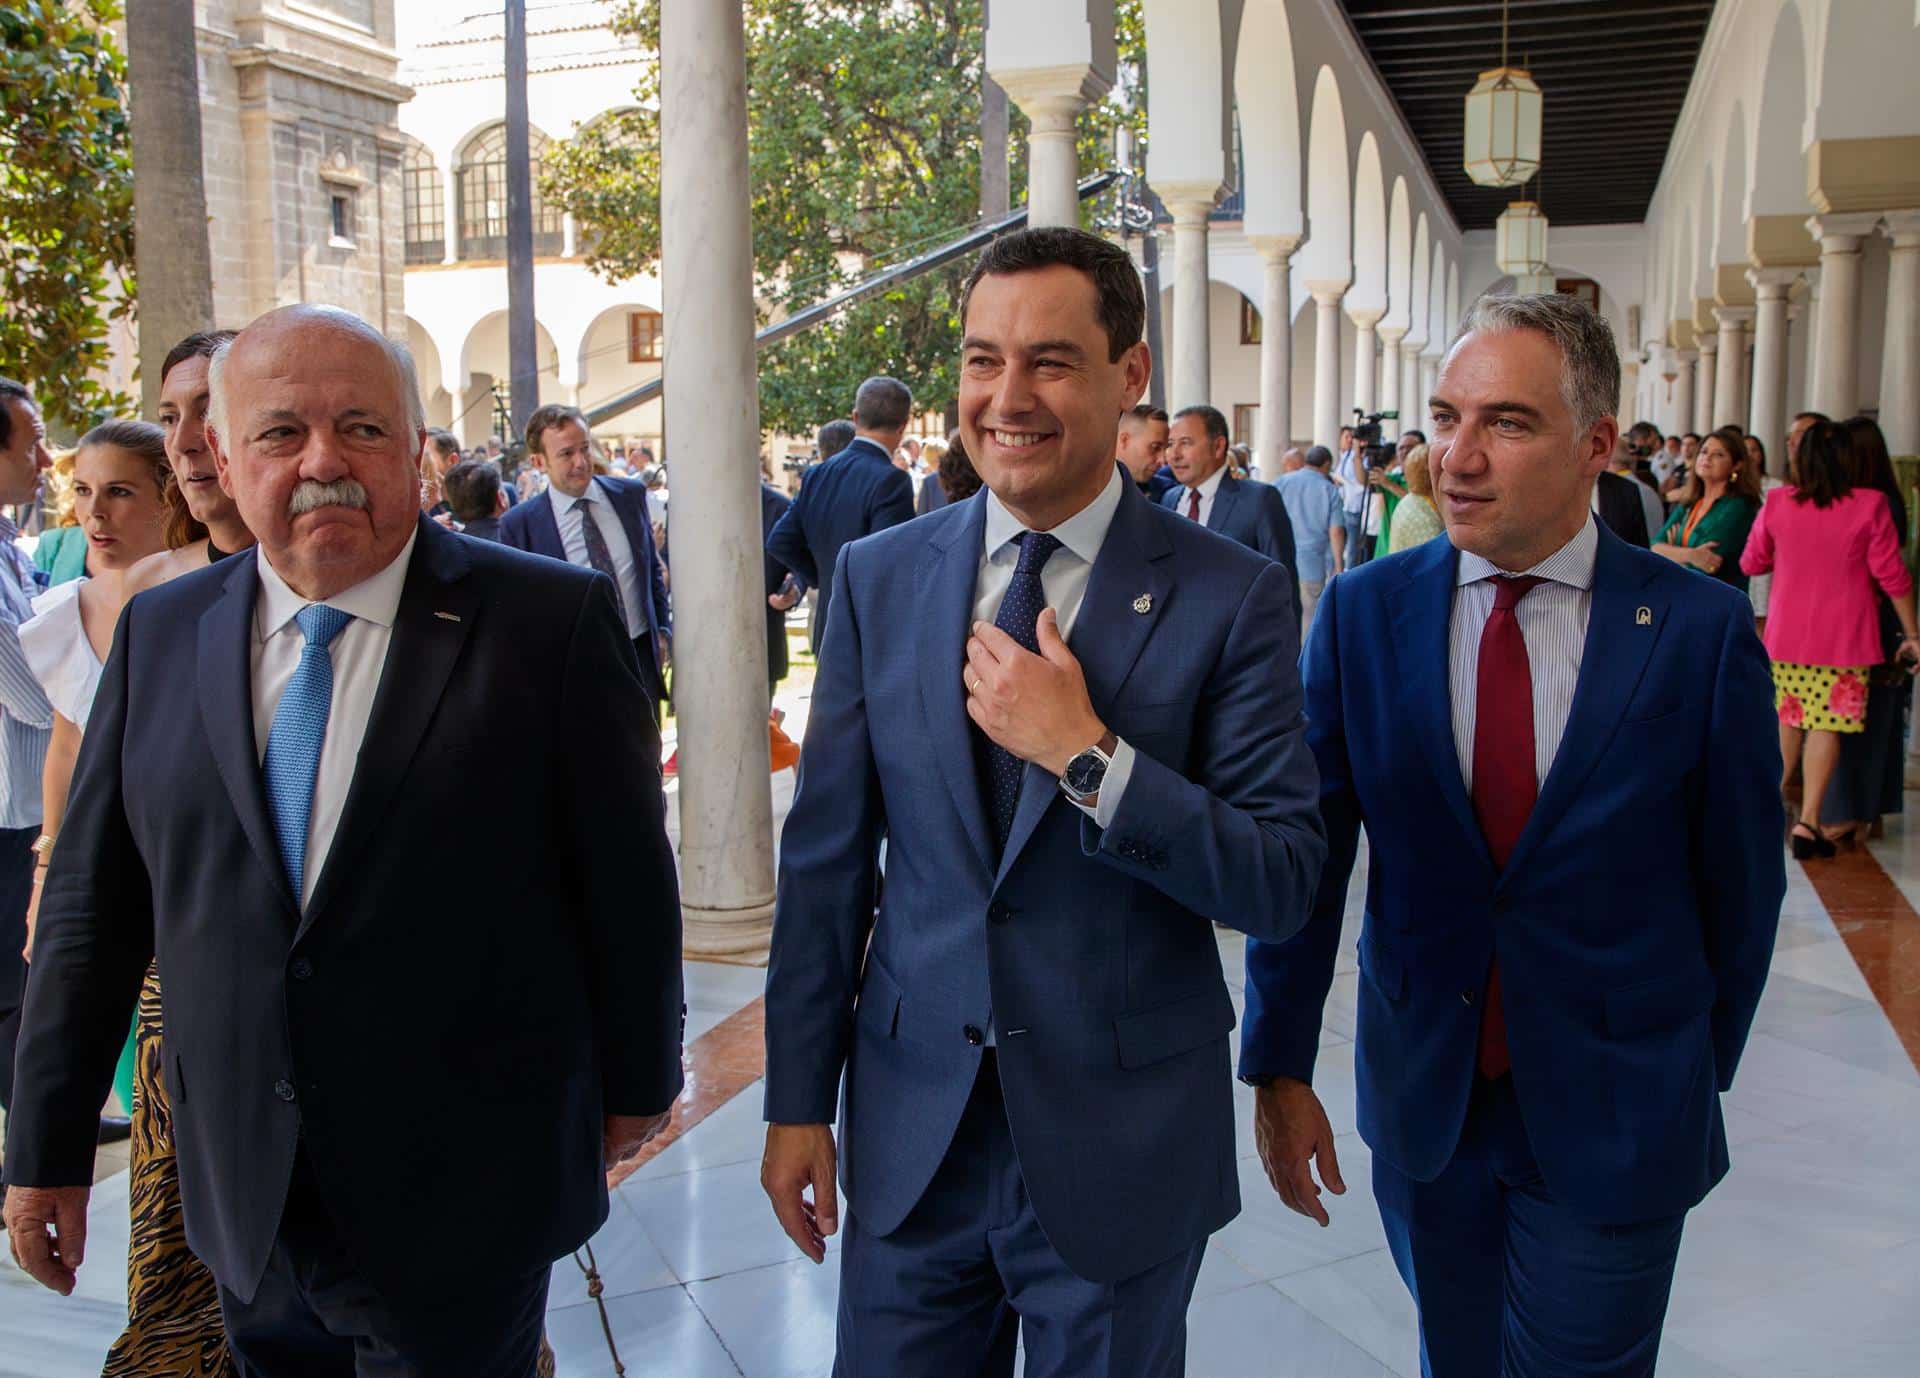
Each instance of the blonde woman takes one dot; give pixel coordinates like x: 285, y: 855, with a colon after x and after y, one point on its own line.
x: 1415, y: 519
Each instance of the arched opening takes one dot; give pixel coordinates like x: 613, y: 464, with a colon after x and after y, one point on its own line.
x: 481, y: 191
x: 1369, y: 290
x: 424, y: 206
x: 1327, y: 256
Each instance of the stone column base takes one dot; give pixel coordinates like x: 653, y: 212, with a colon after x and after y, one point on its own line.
x: 740, y: 936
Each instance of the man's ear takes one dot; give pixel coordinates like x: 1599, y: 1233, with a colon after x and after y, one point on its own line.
x: 220, y: 462
x: 1136, y: 367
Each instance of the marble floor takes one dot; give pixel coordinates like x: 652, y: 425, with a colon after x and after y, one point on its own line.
x: 1805, y: 1261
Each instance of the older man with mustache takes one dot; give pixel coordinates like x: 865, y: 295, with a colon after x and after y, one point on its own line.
x: 322, y: 986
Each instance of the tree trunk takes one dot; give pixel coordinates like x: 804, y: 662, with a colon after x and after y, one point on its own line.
x: 173, y: 264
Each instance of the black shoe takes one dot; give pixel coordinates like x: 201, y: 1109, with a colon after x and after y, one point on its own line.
x: 1809, y: 845
x: 114, y: 1129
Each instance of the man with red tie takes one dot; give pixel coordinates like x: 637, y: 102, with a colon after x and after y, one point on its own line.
x: 1543, y: 1035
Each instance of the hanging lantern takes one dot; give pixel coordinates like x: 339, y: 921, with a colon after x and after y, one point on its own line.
x: 1503, y: 123
x: 1520, y: 239
x: 1535, y: 284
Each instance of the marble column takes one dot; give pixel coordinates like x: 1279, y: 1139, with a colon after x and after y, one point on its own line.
x: 1900, y: 362
x: 720, y: 644
x: 1413, y: 399
x: 1767, y: 416
x: 1052, y: 98
x: 1681, y: 404
x: 1729, y: 384
x: 1366, y: 362
x: 1276, y: 351
x: 1390, y: 337
x: 1327, y: 414
x: 1810, y: 329
x: 1192, y: 372
x: 1836, y: 377
x: 1705, y: 378
x: 1429, y: 376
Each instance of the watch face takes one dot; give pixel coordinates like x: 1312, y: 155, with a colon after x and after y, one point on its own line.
x: 1085, y: 772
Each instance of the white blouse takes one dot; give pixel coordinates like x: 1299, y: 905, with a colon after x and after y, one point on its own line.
x: 59, y: 654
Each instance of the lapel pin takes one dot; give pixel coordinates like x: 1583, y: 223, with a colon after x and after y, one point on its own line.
x: 1643, y: 617
x: 454, y: 617
x: 1144, y: 603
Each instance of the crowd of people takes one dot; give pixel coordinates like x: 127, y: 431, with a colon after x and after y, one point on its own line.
x: 1087, y: 689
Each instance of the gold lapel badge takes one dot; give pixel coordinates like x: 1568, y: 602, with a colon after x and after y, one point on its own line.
x: 447, y: 616
x: 1144, y: 603
x: 1643, y: 617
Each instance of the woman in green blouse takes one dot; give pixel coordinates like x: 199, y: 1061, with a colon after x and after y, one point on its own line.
x: 1708, y: 528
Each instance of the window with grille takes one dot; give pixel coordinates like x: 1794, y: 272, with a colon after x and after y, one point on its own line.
x: 643, y: 337
x: 426, y: 207
x: 481, y: 186
x: 1580, y: 289
x: 1246, y: 424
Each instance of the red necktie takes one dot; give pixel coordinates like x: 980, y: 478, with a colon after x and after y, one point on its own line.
x: 1193, y: 504
x: 1504, y: 784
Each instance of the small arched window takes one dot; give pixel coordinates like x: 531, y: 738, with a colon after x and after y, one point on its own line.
x: 426, y: 207
x: 481, y: 184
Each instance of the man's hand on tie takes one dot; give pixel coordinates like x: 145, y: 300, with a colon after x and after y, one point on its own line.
x: 1289, y: 1128
x: 1034, y: 706
x: 47, y: 1229
x: 800, y: 1156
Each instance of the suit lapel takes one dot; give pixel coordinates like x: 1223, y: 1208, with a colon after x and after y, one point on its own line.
x: 944, y: 585
x: 1422, y: 632
x: 544, y: 524
x: 225, y: 674
x: 1615, y: 655
x: 1224, y: 498
x: 436, y: 613
x: 1109, y: 632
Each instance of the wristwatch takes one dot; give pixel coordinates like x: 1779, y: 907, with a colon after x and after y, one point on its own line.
x: 1085, y: 773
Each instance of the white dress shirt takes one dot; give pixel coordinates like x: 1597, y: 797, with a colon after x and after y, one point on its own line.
x: 1207, y: 490
x: 1553, y: 623
x: 573, y: 539
x: 26, y: 718
x: 1064, y: 581
x: 359, y: 655
x: 1350, y: 472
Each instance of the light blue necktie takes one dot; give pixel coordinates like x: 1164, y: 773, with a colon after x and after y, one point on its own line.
x: 299, y: 730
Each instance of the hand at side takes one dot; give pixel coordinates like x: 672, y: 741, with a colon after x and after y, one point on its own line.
x: 799, y: 1157
x: 1290, y: 1128
x: 47, y: 1229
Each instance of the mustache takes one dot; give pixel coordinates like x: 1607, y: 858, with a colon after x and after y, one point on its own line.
x: 311, y: 495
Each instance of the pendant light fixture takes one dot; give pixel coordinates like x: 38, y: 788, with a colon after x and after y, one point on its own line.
x: 1520, y: 240
x: 1503, y: 123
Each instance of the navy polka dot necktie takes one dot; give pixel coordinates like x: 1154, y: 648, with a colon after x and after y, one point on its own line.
x: 1019, y: 618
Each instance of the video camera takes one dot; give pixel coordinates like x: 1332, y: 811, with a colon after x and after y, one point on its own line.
x: 1378, y: 453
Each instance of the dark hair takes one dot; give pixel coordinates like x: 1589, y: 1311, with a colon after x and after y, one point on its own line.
x: 1646, y: 430
x: 1690, y: 435
x: 882, y: 404
x: 1146, y: 411
x: 958, y: 478
x: 546, y: 418
x: 11, y: 392
x: 1872, y: 466
x: 1416, y: 432
x: 444, y: 442
x: 199, y: 345
x: 1216, y: 424
x: 147, y: 441
x: 1120, y: 303
x: 1745, y: 480
x: 834, y: 437
x: 1757, y: 443
x: 472, y: 490
x: 1825, y: 465
x: 1319, y: 456
x: 1811, y: 416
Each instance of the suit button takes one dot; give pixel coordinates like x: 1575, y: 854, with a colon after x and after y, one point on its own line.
x: 1466, y: 997
x: 999, y: 912
x: 302, y: 968
x: 974, y: 1036
x: 283, y: 1089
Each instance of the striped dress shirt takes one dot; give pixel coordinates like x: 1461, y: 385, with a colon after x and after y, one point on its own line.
x: 1553, y: 623
x: 25, y: 715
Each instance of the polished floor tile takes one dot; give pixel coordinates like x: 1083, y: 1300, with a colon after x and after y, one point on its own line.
x: 1259, y: 1331
x: 776, y: 1322
x: 661, y: 1333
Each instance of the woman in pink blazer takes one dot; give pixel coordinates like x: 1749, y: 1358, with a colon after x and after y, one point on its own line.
x: 1827, y: 544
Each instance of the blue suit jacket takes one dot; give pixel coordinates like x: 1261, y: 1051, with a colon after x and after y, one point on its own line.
x: 533, y: 526
x: 1091, y: 954
x: 1630, y: 969
x: 1252, y: 513
x: 538, y: 989
x: 854, y: 494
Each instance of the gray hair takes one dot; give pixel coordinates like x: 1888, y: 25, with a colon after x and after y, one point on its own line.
x: 882, y: 404
x: 1589, y: 363
x: 331, y: 316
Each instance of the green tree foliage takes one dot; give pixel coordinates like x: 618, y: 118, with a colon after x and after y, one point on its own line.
x: 864, y: 150
x: 66, y: 203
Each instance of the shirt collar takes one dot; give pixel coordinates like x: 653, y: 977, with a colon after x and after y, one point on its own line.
x: 1212, y: 484
x: 872, y: 447
x: 1083, y: 533
x: 375, y: 599
x: 1571, y: 564
x: 593, y: 494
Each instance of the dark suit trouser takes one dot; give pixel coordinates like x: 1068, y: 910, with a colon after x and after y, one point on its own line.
x: 947, y: 1294
x: 16, y: 890
x: 315, y: 1316
x: 1509, y: 1284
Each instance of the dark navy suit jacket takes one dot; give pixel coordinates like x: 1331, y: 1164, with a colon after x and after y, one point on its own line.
x: 773, y: 506
x: 532, y: 525
x: 854, y: 494
x: 1630, y: 971
x: 1090, y: 953
x: 531, y: 991
x: 1252, y: 513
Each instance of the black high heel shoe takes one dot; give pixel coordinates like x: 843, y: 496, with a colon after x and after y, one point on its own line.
x: 1810, y: 845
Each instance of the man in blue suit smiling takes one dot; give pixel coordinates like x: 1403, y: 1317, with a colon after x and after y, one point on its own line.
x: 1075, y: 719
x: 1544, y: 1034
